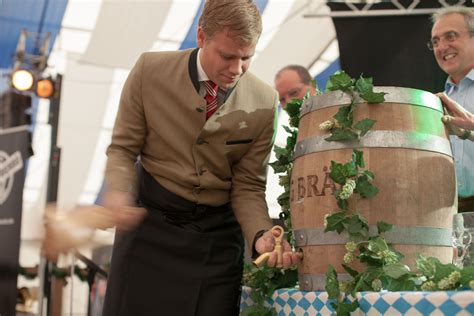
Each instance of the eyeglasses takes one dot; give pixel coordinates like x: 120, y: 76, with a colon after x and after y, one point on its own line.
x: 291, y: 94
x: 450, y: 37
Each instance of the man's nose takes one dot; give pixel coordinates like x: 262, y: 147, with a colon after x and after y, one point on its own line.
x: 236, y: 67
x: 442, y: 44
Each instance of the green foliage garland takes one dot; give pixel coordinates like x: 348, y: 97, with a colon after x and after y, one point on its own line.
x: 264, y: 280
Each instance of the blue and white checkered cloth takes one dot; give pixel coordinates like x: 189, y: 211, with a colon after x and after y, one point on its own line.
x: 292, y: 302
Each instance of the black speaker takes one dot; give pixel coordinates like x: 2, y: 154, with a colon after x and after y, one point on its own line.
x: 14, y: 109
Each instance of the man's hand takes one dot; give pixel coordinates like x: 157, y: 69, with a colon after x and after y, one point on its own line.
x: 459, y: 116
x: 266, y: 243
x: 63, y: 232
x: 119, y: 208
x: 66, y: 230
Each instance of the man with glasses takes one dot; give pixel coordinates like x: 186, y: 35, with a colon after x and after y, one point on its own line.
x: 452, y: 42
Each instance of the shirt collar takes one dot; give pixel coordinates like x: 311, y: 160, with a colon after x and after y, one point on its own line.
x: 202, y: 76
x: 470, y: 74
x: 450, y: 84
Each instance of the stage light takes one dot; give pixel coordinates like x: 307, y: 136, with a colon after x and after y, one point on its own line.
x: 22, y: 80
x: 45, y: 88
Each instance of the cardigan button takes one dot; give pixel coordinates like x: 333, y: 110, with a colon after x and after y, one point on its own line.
x: 201, y: 171
x: 200, y: 141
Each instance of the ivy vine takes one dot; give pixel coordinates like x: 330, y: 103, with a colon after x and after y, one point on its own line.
x: 264, y: 280
x: 343, y: 127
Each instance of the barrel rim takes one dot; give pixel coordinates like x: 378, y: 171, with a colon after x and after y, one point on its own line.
x: 400, y: 95
x: 377, y: 139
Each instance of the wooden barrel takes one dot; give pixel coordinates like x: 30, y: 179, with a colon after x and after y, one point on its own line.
x: 408, y: 149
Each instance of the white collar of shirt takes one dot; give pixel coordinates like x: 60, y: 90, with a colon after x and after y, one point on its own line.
x: 202, y: 76
x: 450, y: 84
x: 470, y: 74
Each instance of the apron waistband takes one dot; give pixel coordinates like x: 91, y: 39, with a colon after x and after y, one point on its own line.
x: 175, y: 209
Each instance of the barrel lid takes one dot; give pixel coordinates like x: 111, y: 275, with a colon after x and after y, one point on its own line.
x: 394, y: 95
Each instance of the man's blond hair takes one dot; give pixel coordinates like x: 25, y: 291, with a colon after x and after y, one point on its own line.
x: 240, y: 18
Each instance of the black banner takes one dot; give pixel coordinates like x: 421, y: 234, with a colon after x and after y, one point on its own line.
x: 13, y: 152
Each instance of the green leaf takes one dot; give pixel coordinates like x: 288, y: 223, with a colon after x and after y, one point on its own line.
x: 332, y: 284
x: 370, y: 259
x: 372, y: 273
x: 293, y: 107
x: 339, y: 81
x: 338, y: 134
x: 467, y: 274
x: 427, y: 265
x: 307, y: 95
x: 444, y: 270
x: 278, y: 167
x: 344, y: 116
x: 345, y: 309
x: 280, y: 152
x: 290, y: 144
x: 364, y: 85
x: 284, y: 200
x: 358, y: 158
x: 287, y: 129
x: 402, y: 284
x: 349, y: 170
x: 377, y: 244
x: 357, y: 227
x: 340, y: 172
x: 363, y: 220
x: 294, y: 121
x: 370, y: 175
x: 335, y: 222
x: 356, y: 224
x: 365, y: 188
x: 383, y: 227
x: 358, y: 284
x: 353, y: 273
x: 373, y: 97
x: 364, y: 126
x: 342, y: 204
x: 284, y: 181
x: 337, y: 173
x: 396, y: 270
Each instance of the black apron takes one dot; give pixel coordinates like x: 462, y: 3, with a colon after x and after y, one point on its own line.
x: 183, y: 259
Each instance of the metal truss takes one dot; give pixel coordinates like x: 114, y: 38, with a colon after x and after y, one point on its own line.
x: 358, y: 8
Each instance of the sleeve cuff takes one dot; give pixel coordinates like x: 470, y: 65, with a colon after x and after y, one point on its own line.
x: 259, y: 234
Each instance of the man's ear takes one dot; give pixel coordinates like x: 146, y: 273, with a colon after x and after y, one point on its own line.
x: 201, y: 37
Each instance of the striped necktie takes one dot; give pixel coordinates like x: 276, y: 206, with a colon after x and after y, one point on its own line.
x: 210, y: 97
